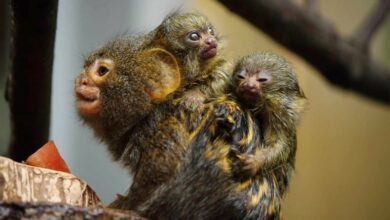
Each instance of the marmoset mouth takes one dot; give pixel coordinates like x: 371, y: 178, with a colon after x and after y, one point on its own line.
x: 249, y: 96
x: 209, y: 53
x: 87, y: 100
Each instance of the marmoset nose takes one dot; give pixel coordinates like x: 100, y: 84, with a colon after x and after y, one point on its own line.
x: 250, y: 87
x: 211, y: 42
x: 83, y: 80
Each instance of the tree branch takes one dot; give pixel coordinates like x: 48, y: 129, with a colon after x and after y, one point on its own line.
x: 33, y: 31
x: 311, y: 6
x: 364, y: 33
x: 318, y: 43
x: 46, y: 211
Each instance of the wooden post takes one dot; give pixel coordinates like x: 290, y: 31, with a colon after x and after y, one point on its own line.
x: 33, y: 25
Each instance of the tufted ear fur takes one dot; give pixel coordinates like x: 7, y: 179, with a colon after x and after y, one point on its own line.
x: 164, y: 71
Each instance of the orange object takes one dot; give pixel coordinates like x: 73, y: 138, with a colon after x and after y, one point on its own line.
x: 48, y: 157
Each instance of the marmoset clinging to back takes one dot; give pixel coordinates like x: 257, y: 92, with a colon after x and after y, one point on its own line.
x: 267, y: 87
x: 268, y: 91
x: 192, y: 39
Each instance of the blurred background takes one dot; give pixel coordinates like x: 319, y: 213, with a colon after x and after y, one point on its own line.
x: 343, y: 158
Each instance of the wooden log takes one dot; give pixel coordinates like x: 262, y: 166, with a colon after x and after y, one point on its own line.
x: 24, y: 183
x: 28, y: 192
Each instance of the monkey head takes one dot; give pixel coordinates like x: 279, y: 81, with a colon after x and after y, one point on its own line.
x: 190, y: 33
x: 265, y: 79
x: 120, y: 84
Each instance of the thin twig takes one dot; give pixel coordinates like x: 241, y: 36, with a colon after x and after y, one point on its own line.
x: 311, y: 6
x: 362, y: 37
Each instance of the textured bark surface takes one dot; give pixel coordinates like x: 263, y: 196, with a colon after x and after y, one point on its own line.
x: 20, y: 182
x: 47, y: 211
x: 28, y: 192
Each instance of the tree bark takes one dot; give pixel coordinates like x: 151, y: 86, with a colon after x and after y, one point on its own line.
x: 314, y: 39
x: 33, y: 26
x: 28, y: 192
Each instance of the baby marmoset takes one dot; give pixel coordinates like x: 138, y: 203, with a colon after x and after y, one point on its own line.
x: 268, y: 91
x: 192, y: 39
x: 266, y: 85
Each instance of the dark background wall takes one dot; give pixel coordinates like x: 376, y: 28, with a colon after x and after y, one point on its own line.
x: 4, y: 51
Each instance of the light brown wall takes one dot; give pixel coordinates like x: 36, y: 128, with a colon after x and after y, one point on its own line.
x: 343, y: 159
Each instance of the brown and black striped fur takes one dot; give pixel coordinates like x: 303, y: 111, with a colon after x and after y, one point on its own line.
x: 184, y: 164
x: 207, y: 187
x: 212, y: 183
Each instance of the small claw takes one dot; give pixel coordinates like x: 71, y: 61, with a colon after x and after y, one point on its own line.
x: 250, y: 164
x: 240, y: 157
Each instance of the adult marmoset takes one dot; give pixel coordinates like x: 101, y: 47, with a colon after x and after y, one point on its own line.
x: 123, y: 93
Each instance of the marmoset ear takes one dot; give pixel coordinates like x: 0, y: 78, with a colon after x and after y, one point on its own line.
x: 164, y: 77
